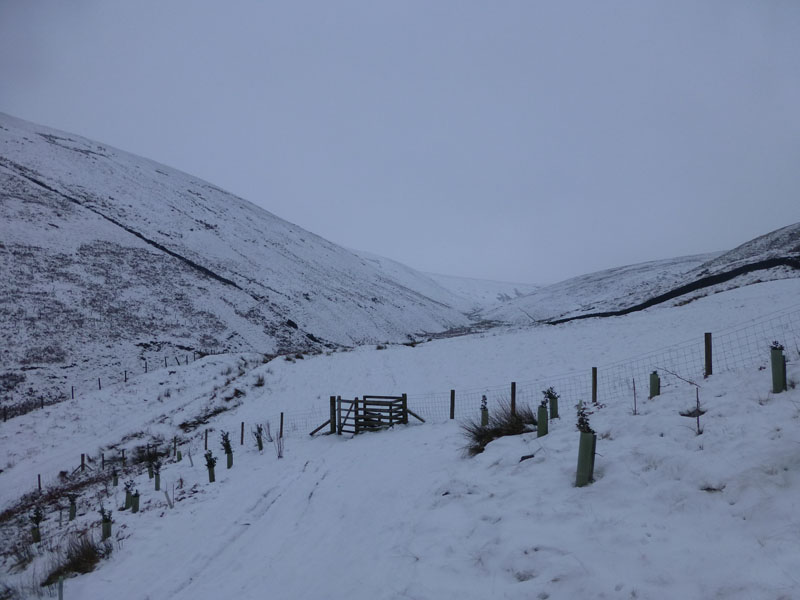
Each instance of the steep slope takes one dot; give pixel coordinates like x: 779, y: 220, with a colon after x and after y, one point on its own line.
x: 107, y: 256
x: 783, y: 242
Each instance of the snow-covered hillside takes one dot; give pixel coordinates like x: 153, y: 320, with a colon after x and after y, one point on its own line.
x: 772, y: 256
x: 403, y: 513
x: 108, y: 259
x: 483, y: 294
x: 604, y: 290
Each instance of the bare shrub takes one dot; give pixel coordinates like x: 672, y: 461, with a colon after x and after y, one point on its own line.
x: 501, y: 423
x: 82, y: 555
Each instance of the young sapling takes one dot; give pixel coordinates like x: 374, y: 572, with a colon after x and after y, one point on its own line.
x: 226, y: 446
x: 211, y: 461
x: 36, y: 518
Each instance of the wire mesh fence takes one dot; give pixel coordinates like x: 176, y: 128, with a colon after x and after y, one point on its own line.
x: 743, y: 346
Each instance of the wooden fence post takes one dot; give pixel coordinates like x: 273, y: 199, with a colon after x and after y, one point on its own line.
x: 281, y: 433
x: 333, y: 414
x: 165, y: 361
x: 241, y: 441
x: 73, y: 392
x: 99, y: 387
x: 40, y: 483
x: 145, y: 365
x: 513, y: 398
x: 452, y: 404
x: 126, y: 377
x: 206, y: 442
x: 102, y: 461
x: 405, y: 409
x: 83, y: 462
x: 709, y: 363
x: 594, y: 385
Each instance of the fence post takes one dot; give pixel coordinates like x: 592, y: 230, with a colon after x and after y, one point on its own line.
x: 241, y: 442
x: 513, y: 398
x: 206, y: 442
x: 83, y: 462
x: 452, y: 404
x: 165, y: 361
x: 594, y: 385
x: 145, y: 365
x: 333, y: 414
x: 405, y: 409
x: 339, y: 415
x: 709, y: 363
x: 102, y: 461
x: 281, y: 434
x: 73, y: 391
x: 40, y: 483
x: 126, y: 377
x: 99, y: 387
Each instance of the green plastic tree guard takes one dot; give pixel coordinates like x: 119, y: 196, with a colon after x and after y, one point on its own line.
x: 72, y: 510
x: 778, y: 370
x: 586, y: 450
x: 180, y: 456
x: 128, y: 500
x: 210, y: 474
x: 484, y: 417
x: 230, y: 459
x: 541, y: 418
x: 36, y: 535
x: 106, y: 529
x: 655, y: 384
x: 135, y: 503
x: 115, y: 479
x: 554, y: 408
x: 158, y: 482
x: 150, y: 470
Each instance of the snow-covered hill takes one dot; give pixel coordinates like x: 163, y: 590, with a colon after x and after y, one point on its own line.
x: 677, y: 281
x: 779, y: 243
x: 483, y: 294
x: 109, y: 258
x: 604, y: 290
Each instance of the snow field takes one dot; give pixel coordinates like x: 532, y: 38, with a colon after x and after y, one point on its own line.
x: 403, y: 514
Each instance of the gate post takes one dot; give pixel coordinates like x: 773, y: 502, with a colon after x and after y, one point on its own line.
x: 333, y: 414
x: 405, y: 409
x: 339, y: 415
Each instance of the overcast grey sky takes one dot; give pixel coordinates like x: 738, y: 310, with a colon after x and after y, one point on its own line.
x: 519, y: 141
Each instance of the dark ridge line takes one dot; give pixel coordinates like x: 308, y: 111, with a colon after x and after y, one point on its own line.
x: 206, y: 271
x: 698, y: 284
